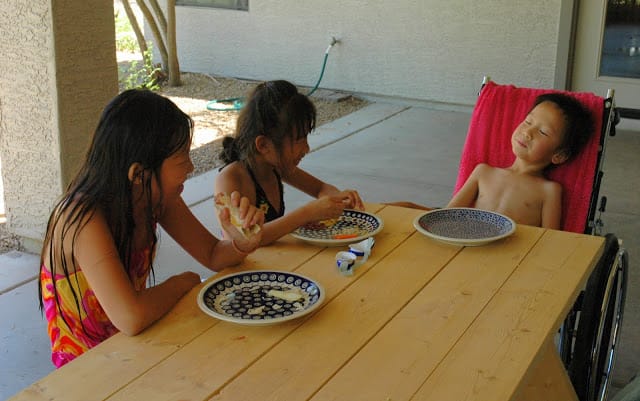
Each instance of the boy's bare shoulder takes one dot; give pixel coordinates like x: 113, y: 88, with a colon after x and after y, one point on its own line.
x: 485, y: 170
x: 487, y: 167
x: 550, y: 186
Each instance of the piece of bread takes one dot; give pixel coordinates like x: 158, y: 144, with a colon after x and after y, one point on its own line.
x: 291, y: 295
x: 223, y: 200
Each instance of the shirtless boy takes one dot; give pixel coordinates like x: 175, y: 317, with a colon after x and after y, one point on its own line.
x: 556, y: 129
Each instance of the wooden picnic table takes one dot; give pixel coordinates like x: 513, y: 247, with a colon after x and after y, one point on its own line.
x: 420, y: 320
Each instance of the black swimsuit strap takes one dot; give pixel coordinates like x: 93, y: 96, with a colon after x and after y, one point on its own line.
x: 262, y: 202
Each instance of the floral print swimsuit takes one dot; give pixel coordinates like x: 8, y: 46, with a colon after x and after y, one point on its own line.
x: 69, y: 340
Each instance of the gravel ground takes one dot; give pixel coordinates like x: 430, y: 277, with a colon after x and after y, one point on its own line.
x: 8, y: 241
x: 210, y: 126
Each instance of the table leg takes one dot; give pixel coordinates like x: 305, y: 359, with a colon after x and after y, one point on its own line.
x: 548, y: 380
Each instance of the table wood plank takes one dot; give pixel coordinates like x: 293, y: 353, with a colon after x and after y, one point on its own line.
x: 496, y: 352
x: 226, y: 349
x: 394, y: 364
x: 420, y: 320
x: 296, y: 367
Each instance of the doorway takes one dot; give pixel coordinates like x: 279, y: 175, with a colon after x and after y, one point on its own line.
x: 607, y: 52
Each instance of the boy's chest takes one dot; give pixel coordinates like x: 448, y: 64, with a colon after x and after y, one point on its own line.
x: 516, y: 196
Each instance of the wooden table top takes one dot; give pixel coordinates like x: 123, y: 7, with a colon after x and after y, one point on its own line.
x: 420, y: 320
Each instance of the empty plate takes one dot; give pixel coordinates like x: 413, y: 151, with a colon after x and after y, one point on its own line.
x: 464, y: 226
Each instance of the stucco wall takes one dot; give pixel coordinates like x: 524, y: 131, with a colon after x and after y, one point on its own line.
x: 29, y: 141
x: 57, y: 71
x: 86, y: 73
x: 424, y: 49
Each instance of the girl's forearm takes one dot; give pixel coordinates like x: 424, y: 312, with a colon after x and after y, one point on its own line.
x: 226, y: 254
x: 154, y: 302
x: 284, y: 225
x: 327, y: 190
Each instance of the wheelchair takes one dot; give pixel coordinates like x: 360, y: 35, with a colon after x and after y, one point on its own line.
x: 589, y: 335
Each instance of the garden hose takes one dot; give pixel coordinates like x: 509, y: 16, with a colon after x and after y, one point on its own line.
x: 324, y: 64
x: 236, y: 103
x: 232, y: 103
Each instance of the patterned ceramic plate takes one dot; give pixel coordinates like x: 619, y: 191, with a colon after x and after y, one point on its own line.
x: 260, y: 297
x: 464, y: 226
x: 352, y: 226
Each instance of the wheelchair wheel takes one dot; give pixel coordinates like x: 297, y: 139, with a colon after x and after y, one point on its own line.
x: 567, y: 333
x: 590, y: 349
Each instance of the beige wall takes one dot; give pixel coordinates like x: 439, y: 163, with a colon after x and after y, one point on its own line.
x: 57, y: 71
x: 431, y: 50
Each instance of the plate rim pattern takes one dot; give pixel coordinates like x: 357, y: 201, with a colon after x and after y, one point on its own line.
x: 258, y: 322
x: 464, y: 241
x: 343, y: 241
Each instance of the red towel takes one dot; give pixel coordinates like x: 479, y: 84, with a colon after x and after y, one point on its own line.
x: 500, y: 108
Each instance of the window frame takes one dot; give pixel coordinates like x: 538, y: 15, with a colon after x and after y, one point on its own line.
x: 238, y: 5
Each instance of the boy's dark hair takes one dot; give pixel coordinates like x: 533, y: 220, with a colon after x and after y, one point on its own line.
x: 274, y: 109
x: 579, y: 124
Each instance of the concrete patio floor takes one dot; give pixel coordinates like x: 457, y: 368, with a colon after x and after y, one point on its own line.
x: 388, y: 152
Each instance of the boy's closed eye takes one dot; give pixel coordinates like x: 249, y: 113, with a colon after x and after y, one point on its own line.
x: 528, y: 122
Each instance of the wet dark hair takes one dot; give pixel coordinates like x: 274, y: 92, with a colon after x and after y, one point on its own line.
x: 579, y: 123
x: 137, y: 126
x: 274, y: 109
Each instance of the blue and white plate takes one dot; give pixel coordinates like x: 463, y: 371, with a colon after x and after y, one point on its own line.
x: 352, y: 226
x: 464, y: 226
x: 248, y: 297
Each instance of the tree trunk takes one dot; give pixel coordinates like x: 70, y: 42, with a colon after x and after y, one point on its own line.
x: 156, y: 33
x: 174, y: 67
x: 142, y: 44
x: 160, y: 19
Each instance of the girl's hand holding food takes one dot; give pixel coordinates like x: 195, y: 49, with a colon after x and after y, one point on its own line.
x: 240, y: 220
x: 352, y: 199
x: 326, y: 207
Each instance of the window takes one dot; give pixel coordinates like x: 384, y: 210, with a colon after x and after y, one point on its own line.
x: 230, y: 4
x: 621, y: 41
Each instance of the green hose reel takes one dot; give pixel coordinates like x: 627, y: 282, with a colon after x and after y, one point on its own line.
x: 229, y: 104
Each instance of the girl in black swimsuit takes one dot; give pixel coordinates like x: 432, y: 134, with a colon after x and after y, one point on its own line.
x: 268, y: 144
